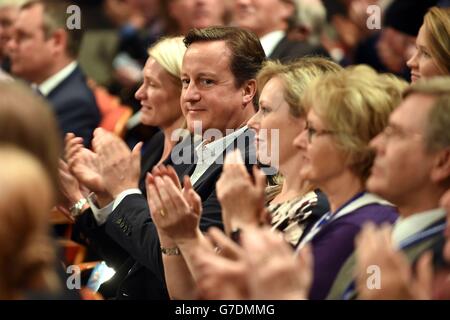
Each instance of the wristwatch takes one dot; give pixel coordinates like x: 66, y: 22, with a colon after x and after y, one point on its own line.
x: 175, y: 251
x: 75, y: 210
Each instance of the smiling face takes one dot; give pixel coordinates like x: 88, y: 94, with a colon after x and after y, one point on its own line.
x: 422, y: 64
x: 323, y: 161
x: 402, y: 166
x: 159, y: 96
x: 209, y: 93
x: 262, y: 16
x: 275, y: 126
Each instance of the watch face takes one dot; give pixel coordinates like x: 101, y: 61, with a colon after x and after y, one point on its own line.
x: 76, y: 209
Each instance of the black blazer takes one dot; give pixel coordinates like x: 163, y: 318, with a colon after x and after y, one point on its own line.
x: 141, y: 276
x: 287, y: 50
x: 75, y: 106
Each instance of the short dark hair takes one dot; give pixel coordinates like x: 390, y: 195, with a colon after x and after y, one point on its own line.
x: 55, y: 17
x: 247, y: 54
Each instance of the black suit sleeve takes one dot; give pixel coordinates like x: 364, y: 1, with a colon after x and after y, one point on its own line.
x: 81, y: 117
x: 87, y: 232
x: 130, y: 225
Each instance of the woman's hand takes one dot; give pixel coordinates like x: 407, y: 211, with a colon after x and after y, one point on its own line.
x: 276, y: 272
x: 241, y: 198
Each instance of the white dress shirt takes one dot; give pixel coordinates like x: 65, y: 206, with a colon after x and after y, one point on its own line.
x: 207, y: 153
x: 51, y: 83
x: 271, y: 40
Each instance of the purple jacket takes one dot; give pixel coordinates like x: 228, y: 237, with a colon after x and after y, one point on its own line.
x: 334, y: 243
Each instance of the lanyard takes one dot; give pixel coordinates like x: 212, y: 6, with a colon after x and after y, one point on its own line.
x: 408, y: 242
x: 327, y: 217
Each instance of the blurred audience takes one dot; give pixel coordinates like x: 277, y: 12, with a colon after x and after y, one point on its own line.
x: 43, y: 52
x: 27, y: 255
x: 270, y: 21
x: 22, y: 122
x: 183, y: 15
x: 9, y: 10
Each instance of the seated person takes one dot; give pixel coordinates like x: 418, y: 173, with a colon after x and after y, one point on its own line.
x: 27, y: 255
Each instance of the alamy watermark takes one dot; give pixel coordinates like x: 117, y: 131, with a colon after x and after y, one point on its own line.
x: 73, y: 21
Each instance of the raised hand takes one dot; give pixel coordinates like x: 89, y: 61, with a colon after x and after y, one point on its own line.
x: 83, y: 164
x: 276, y: 272
x: 69, y: 184
x: 221, y: 273
x: 119, y: 167
x: 241, y: 198
x: 374, y: 247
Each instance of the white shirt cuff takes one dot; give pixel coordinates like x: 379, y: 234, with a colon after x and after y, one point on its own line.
x: 122, y: 195
x: 100, y: 214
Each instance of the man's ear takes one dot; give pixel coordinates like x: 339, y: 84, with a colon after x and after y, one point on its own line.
x: 59, y: 38
x: 248, y: 92
x: 441, y: 166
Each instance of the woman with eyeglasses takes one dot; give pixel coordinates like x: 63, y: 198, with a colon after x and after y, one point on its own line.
x: 292, y: 203
x: 344, y: 112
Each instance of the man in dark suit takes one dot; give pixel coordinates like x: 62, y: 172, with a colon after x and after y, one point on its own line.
x: 412, y: 171
x: 43, y: 51
x: 272, y: 20
x: 219, y: 93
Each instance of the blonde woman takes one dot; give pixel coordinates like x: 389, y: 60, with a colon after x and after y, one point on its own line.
x: 344, y: 112
x: 432, y: 56
x: 292, y: 203
x: 27, y: 255
x: 159, y: 95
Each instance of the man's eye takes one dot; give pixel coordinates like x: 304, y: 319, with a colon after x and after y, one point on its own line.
x: 207, y: 82
x: 185, y: 83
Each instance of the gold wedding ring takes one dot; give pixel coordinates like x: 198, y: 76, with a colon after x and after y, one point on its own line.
x: 162, y: 212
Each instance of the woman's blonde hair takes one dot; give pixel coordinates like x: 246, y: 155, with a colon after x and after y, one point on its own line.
x: 437, y: 27
x: 27, y: 256
x: 295, y: 77
x: 169, y: 53
x: 355, y: 104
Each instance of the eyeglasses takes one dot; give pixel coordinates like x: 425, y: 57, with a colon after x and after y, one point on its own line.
x: 314, y: 132
x: 392, y: 132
